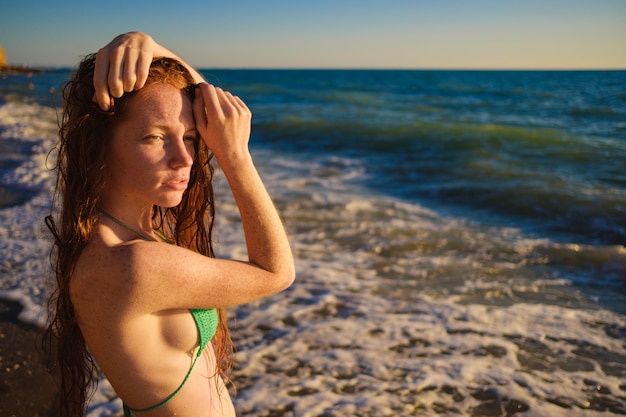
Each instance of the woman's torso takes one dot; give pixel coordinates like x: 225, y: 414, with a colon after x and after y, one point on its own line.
x: 144, y: 355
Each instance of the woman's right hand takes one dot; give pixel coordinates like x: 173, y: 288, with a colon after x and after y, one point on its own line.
x: 122, y: 66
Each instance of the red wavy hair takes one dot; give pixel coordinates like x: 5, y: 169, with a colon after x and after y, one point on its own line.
x: 81, y: 175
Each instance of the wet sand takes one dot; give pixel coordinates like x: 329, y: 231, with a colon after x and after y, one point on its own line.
x: 26, y: 388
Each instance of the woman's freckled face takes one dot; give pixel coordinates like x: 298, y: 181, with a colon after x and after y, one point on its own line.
x: 151, y: 151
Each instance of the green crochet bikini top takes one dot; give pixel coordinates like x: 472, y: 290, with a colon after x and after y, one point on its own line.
x: 206, y: 322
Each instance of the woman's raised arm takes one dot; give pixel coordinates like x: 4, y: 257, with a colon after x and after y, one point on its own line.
x: 223, y: 121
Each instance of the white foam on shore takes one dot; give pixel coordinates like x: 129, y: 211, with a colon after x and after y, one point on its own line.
x: 387, y: 357
x: 367, y: 329
x: 396, y: 310
x: 27, y: 132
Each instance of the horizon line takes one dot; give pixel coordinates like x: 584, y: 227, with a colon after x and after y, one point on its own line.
x: 26, y: 68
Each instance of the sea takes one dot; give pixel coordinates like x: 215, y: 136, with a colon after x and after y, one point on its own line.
x: 460, y: 239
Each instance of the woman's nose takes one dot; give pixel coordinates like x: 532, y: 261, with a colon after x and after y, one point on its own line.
x: 181, y: 154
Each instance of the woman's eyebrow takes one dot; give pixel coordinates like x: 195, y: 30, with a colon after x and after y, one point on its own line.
x: 165, y: 127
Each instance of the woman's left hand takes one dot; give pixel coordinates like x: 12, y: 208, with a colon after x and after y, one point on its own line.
x: 223, y: 121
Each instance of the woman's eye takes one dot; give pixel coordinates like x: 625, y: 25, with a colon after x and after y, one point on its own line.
x: 152, y: 138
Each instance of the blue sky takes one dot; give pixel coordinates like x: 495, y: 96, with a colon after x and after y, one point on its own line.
x: 328, y: 33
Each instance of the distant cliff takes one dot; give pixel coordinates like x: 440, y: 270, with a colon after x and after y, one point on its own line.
x: 3, y: 58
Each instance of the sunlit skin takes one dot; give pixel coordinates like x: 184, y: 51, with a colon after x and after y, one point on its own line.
x: 149, y: 162
x: 132, y: 296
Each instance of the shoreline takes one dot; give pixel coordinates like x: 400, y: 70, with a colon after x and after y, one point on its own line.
x: 26, y: 388
x: 12, y: 70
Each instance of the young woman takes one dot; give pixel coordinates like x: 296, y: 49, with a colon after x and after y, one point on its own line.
x: 138, y: 288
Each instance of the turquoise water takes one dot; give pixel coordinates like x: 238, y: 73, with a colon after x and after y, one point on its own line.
x: 542, y: 150
x: 460, y: 238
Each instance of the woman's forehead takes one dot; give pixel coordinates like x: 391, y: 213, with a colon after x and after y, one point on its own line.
x: 161, y: 101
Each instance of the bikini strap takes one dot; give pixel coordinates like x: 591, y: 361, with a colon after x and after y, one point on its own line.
x: 165, y: 401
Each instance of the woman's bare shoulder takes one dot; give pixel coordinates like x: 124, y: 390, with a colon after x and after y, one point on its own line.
x: 130, y: 262
x: 107, y: 272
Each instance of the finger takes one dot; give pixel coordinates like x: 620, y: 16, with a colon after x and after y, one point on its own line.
x: 116, y: 71
x: 129, y: 77
x: 230, y: 104
x: 212, y: 101
x: 199, y: 111
x: 101, y: 86
x: 243, y: 108
x: 143, y: 68
x: 225, y: 99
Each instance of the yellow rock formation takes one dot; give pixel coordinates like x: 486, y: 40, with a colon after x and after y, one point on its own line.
x: 3, y: 59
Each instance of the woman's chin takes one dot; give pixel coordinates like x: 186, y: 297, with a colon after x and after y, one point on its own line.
x: 170, y: 202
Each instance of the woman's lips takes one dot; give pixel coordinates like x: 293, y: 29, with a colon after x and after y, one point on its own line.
x: 177, y: 183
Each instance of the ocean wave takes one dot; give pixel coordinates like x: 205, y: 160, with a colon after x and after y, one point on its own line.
x: 538, y: 176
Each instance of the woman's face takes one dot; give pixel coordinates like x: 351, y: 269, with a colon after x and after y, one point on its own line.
x: 151, y: 151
